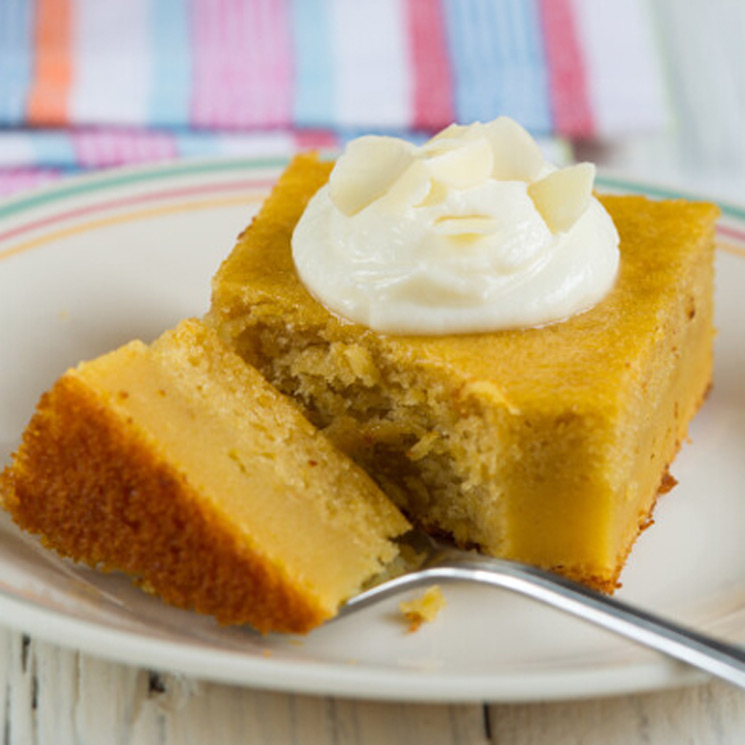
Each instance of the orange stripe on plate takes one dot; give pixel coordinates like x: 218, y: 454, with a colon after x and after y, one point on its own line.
x: 48, y: 101
x: 731, y: 248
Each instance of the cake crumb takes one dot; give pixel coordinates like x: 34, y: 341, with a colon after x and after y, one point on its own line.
x: 424, y: 608
x: 669, y: 482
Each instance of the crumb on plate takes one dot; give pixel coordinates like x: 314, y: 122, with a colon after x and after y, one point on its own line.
x: 423, y: 608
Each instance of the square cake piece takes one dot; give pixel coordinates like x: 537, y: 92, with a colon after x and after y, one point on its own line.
x: 180, y: 465
x: 547, y: 445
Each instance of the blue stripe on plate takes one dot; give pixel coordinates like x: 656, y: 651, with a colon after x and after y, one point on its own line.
x: 171, y: 63
x: 314, y: 63
x: 15, y: 59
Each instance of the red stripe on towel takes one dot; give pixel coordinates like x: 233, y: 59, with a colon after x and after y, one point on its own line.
x: 432, y: 78
x: 570, y: 101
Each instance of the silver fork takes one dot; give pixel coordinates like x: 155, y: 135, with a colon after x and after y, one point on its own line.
x: 439, y: 562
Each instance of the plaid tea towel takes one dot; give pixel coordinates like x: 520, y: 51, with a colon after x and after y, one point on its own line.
x: 89, y: 84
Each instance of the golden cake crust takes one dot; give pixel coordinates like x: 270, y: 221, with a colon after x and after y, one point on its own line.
x: 101, y: 495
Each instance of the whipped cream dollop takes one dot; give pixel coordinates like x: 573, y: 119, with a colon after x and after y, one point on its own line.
x: 473, y: 231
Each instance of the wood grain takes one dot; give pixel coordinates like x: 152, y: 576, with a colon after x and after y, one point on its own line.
x: 52, y: 696
x: 713, y: 713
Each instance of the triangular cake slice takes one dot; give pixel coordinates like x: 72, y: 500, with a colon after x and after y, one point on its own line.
x: 177, y: 463
x: 547, y: 445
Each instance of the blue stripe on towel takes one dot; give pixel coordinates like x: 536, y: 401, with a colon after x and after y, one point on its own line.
x: 526, y: 91
x: 314, y: 63
x: 54, y: 148
x: 197, y: 144
x: 16, y: 38
x: 498, y: 61
x: 171, y: 64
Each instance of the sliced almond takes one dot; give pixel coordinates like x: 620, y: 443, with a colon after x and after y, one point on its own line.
x: 517, y: 156
x: 366, y: 169
x: 437, y: 194
x: 461, y: 167
x: 465, y: 225
x: 563, y: 196
x: 449, y: 137
x: 410, y: 188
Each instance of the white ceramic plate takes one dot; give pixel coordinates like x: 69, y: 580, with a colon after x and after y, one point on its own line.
x: 89, y: 265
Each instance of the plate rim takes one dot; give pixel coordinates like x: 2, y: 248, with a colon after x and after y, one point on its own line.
x: 342, y: 680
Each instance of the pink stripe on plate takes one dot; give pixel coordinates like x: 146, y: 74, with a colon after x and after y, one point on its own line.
x: 730, y: 232
x: 242, y: 63
x: 433, y: 84
x: 570, y: 101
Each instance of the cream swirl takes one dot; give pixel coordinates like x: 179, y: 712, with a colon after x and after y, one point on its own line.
x: 471, y: 232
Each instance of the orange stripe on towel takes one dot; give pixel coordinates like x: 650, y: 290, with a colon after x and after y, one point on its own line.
x: 48, y: 102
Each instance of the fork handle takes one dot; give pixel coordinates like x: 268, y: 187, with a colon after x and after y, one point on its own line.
x: 718, y: 658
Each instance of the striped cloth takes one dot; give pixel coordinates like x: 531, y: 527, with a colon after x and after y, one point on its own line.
x: 93, y: 83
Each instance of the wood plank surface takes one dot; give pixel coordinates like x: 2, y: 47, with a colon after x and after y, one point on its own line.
x: 52, y: 696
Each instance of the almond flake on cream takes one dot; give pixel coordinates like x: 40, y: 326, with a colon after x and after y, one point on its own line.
x: 563, y: 196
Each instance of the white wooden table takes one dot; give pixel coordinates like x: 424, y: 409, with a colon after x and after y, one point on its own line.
x: 54, y: 696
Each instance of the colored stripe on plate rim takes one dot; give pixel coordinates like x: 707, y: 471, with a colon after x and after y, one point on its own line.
x: 115, y: 178
x: 140, y: 214
x: 243, y: 185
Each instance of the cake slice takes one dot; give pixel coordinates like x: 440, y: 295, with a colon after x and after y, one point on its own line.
x: 178, y: 464
x: 547, y: 445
